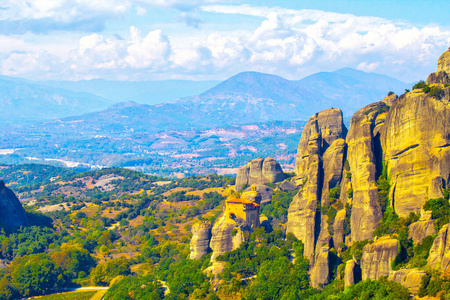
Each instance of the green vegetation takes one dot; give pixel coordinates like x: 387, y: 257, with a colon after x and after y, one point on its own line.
x: 435, y: 283
x: 365, y: 290
x: 136, y: 287
x: 135, y: 237
x: 268, y: 257
x: 433, y: 91
x: 440, y: 210
x: 278, y: 207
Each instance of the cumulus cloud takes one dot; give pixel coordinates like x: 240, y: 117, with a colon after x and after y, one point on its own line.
x: 290, y: 43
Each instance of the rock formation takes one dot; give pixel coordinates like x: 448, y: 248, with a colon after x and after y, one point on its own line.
x: 352, y: 273
x: 440, y: 251
x: 12, y: 213
x: 363, y: 147
x: 422, y: 228
x: 409, y: 278
x: 222, y: 240
x: 442, y: 76
x: 259, y: 171
x: 264, y: 191
x: 201, y: 236
x: 320, y: 272
x: 377, y: 258
x: 322, y: 130
x: 416, y: 149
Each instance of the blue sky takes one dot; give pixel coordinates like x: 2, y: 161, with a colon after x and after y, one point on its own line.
x: 215, y: 39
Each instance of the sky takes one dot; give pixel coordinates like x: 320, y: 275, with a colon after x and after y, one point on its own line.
x: 215, y: 39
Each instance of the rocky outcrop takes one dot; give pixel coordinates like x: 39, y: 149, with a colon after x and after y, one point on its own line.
x: 320, y: 272
x: 352, y: 273
x: 201, y: 236
x: 259, y: 171
x: 12, y: 214
x: 333, y: 163
x: 416, y: 149
x: 422, y: 228
x: 329, y: 124
x: 440, y: 251
x: 377, y: 258
x: 222, y: 239
x: 325, y: 130
x: 364, y: 159
x: 286, y: 185
x: 264, y: 191
x: 338, y: 228
x: 444, y: 62
x: 409, y: 278
x: 390, y: 99
x: 442, y: 76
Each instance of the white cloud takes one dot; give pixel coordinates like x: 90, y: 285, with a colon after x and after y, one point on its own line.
x: 367, y: 67
x: 290, y: 43
x: 61, y: 10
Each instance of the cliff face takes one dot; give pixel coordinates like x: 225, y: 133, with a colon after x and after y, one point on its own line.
x: 440, y: 251
x: 201, y: 236
x: 377, y: 257
x: 222, y: 240
x: 422, y: 228
x: 322, y: 130
x: 259, y: 171
x: 409, y: 278
x: 363, y: 147
x: 443, y: 70
x: 320, y: 273
x: 416, y: 144
x: 12, y: 213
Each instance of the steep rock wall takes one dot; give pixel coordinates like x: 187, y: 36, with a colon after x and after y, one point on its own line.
x: 363, y: 152
x: 440, y: 251
x: 377, y: 258
x: 320, y: 132
x: 422, y: 228
x: 201, y: 236
x: 416, y: 144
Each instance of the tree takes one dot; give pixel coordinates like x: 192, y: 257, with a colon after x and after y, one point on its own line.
x: 34, y: 275
x: 104, y: 273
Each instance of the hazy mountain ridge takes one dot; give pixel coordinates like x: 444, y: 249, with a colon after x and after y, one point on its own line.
x: 23, y: 101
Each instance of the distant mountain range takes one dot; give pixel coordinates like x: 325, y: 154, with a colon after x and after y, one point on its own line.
x: 23, y: 101
x: 247, y: 97
x: 144, y: 92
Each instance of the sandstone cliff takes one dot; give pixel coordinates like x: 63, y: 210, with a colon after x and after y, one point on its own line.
x: 201, y: 236
x: 322, y: 130
x: 409, y: 278
x: 320, y: 272
x: 440, y: 251
x: 259, y: 171
x: 377, y: 258
x: 442, y: 76
x: 12, y: 213
x: 364, y: 160
x: 222, y: 240
x: 415, y: 141
x: 422, y: 228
